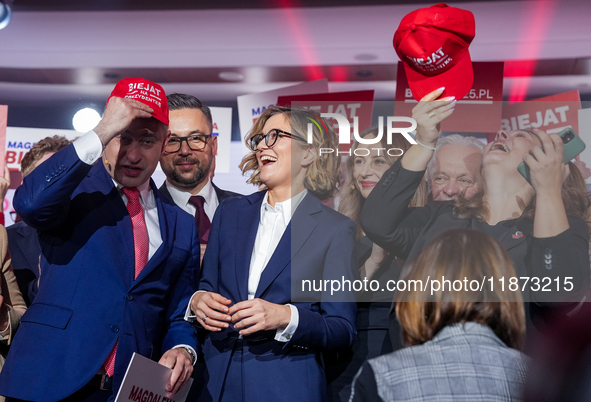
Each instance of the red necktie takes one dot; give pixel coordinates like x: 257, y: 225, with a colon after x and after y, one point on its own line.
x: 201, y: 219
x: 141, y: 246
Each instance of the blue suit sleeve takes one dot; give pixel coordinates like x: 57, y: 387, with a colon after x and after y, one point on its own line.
x: 180, y: 331
x: 43, y: 200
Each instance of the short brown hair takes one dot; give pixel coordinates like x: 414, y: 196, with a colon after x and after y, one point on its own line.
x: 37, y: 151
x: 323, y: 175
x: 457, y: 254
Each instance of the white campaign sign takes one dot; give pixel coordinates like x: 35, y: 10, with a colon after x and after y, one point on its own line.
x: 19, y: 140
x: 222, y: 127
x: 145, y: 381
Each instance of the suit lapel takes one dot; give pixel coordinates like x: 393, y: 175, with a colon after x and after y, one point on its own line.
x: 218, y: 192
x: 123, y: 237
x: 246, y: 232
x: 164, y: 190
x: 291, y: 242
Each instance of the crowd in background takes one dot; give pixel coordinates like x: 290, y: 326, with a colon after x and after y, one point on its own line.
x: 450, y: 207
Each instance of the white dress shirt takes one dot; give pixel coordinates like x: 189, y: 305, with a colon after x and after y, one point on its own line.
x: 272, y: 225
x: 181, y: 198
x: 89, y: 149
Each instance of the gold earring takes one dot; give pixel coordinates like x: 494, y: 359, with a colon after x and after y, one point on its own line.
x: 106, y: 162
x: 352, y: 186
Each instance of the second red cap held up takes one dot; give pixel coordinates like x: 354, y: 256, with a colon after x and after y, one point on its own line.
x: 433, y: 45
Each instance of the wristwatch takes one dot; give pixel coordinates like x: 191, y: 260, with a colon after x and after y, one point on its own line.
x: 191, y: 353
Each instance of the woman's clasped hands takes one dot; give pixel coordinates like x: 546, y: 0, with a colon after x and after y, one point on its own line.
x: 249, y: 316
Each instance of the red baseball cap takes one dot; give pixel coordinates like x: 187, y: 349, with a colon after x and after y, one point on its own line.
x: 433, y: 46
x: 147, y: 92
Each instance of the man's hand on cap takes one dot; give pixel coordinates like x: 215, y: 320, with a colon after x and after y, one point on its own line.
x: 119, y: 114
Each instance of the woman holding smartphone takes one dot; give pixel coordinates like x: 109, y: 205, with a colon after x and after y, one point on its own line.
x: 543, y: 232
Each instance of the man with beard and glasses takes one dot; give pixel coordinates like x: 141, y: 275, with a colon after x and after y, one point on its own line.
x: 188, y: 161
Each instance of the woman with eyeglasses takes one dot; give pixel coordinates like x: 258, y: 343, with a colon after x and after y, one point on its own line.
x: 263, y: 328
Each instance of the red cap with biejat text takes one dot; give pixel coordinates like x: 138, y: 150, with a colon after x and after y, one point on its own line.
x: 433, y: 45
x: 147, y: 92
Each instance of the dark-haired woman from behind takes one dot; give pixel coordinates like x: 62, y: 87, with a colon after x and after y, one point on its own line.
x: 463, y: 345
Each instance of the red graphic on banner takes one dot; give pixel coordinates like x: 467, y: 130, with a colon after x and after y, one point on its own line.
x: 349, y: 104
x: 551, y: 114
x: 478, y: 112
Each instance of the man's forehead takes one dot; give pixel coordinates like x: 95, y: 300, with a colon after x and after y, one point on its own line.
x: 185, y: 116
x: 145, y: 127
x: 192, y: 114
x: 458, y: 159
x: 184, y: 122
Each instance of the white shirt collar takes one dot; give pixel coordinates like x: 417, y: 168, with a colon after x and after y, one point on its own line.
x: 285, y: 208
x: 145, y: 190
x: 181, y: 197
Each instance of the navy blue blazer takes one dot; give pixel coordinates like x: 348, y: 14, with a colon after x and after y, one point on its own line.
x: 318, y: 243
x: 88, y: 297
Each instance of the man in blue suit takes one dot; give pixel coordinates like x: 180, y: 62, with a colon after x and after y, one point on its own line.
x: 119, y: 261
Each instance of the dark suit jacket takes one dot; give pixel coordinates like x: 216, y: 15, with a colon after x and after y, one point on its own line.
x: 318, y: 243
x: 199, y: 371
x: 88, y: 298
x: 403, y: 231
x: 221, y: 194
x: 25, y: 252
x: 372, y: 340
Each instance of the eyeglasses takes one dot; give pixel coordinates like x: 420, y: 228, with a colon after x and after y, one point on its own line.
x: 270, y: 138
x: 194, y: 142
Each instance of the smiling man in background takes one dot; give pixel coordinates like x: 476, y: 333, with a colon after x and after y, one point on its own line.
x: 188, y: 162
x: 455, y: 168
